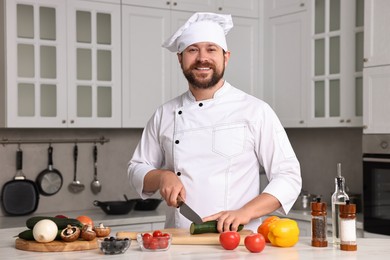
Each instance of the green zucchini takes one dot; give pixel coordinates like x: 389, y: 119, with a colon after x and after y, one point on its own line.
x: 60, y: 222
x: 207, y: 227
x: 28, y: 235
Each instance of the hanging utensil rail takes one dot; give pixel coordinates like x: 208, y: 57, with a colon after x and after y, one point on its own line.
x: 101, y: 140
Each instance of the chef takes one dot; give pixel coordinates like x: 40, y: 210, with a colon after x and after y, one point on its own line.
x: 209, y: 144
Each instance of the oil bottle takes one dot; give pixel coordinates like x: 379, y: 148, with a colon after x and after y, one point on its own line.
x: 339, y: 197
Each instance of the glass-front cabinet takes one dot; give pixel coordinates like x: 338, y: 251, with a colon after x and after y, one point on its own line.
x: 337, y: 44
x: 61, y: 60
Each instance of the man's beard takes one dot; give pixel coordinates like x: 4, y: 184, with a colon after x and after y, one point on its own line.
x: 202, y: 83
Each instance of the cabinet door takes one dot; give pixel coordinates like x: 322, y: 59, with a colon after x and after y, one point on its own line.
x: 94, y: 86
x: 376, y: 104
x: 36, y: 63
x: 377, y: 33
x: 146, y: 65
x: 286, y: 67
x: 245, y: 8
x: 283, y: 7
x: 243, y: 68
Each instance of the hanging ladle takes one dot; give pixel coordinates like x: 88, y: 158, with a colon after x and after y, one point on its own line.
x: 96, y: 187
x: 75, y: 186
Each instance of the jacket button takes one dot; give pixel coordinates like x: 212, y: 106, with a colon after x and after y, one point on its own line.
x: 178, y: 173
x: 177, y: 141
x: 180, y: 112
x: 201, y: 104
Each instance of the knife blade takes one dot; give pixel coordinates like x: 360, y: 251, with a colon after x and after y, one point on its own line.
x: 187, y: 212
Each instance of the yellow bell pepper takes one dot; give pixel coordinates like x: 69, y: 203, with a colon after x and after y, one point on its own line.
x: 284, y: 232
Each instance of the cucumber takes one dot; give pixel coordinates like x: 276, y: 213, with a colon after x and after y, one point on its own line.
x: 28, y: 235
x: 60, y: 222
x: 207, y: 227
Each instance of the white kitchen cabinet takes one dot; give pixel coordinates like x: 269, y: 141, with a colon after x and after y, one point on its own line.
x: 376, y: 100
x: 282, y: 7
x: 153, y: 76
x: 44, y: 60
x: 286, y: 69
x: 335, y: 91
x: 244, y: 8
x: 376, y: 33
x: 146, y: 65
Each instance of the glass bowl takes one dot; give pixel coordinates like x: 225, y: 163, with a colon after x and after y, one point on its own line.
x: 154, y: 244
x: 113, y: 246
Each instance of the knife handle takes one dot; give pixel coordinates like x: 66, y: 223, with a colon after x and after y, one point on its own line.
x: 180, y: 201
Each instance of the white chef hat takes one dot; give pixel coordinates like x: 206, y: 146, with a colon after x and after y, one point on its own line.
x: 201, y: 27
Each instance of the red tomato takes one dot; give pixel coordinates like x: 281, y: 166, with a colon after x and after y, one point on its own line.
x: 229, y: 239
x: 255, y: 242
x: 157, y: 233
x: 146, y: 239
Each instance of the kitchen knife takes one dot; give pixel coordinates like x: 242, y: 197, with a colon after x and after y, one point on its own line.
x: 187, y: 212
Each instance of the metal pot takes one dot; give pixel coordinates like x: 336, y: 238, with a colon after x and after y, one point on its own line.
x: 115, y: 207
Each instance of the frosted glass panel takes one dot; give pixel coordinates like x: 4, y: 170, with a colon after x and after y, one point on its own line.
x: 47, y: 23
x: 48, y: 62
x: 48, y: 100
x: 25, y: 21
x: 84, y: 64
x: 26, y: 99
x: 334, y: 52
x: 104, y: 65
x: 83, y: 26
x: 103, y: 30
x: 319, y: 57
x: 359, y: 96
x: 319, y: 16
x: 334, y: 20
x: 359, y: 51
x: 26, y: 60
x: 84, y: 101
x: 359, y: 13
x: 334, y: 98
x: 104, y: 102
x: 319, y: 99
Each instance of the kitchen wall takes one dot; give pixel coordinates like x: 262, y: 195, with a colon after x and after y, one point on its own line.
x: 319, y: 150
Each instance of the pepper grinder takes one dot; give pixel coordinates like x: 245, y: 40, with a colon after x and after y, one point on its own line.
x: 318, y: 224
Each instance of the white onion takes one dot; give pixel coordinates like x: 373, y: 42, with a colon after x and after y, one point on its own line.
x: 45, y: 231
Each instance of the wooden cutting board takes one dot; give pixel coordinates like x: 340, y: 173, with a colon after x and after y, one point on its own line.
x: 183, y: 236
x: 55, y: 246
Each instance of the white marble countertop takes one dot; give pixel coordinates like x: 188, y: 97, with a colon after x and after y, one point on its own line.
x: 368, y: 248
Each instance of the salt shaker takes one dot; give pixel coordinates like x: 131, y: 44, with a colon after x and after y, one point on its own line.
x: 318, y: 224
x: 348, y: 227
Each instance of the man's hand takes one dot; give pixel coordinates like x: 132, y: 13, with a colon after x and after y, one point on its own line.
x: 229, y: 220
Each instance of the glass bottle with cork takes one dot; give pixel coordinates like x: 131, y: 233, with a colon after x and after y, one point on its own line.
x: 348, y: 227
x: 339, y: 197
x: 318, y: 223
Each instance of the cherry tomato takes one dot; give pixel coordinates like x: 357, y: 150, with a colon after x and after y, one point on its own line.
x: 146, y: 239
x: 154, y: 244
x: 157, y: 233
x: 229, y: 239
x: 166, y: 235
x: 163, y: 242
x: 255, y: 243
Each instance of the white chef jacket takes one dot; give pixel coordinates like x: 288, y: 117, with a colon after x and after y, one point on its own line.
x: 217, y: 148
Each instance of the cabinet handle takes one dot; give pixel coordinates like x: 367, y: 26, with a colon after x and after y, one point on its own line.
x: 72, y: 121
x: 168, y: 3
x: 301, y: 122
x: 365, y: 60
x: 63, y: 121
x: 365, y: 127
x: 349, y: 120
x: 302, y: 4
x: 174, y: 4
x: 341, y: 120
x: 219, y: 8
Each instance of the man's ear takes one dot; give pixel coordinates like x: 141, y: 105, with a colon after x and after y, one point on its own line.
x: 180, y: 57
